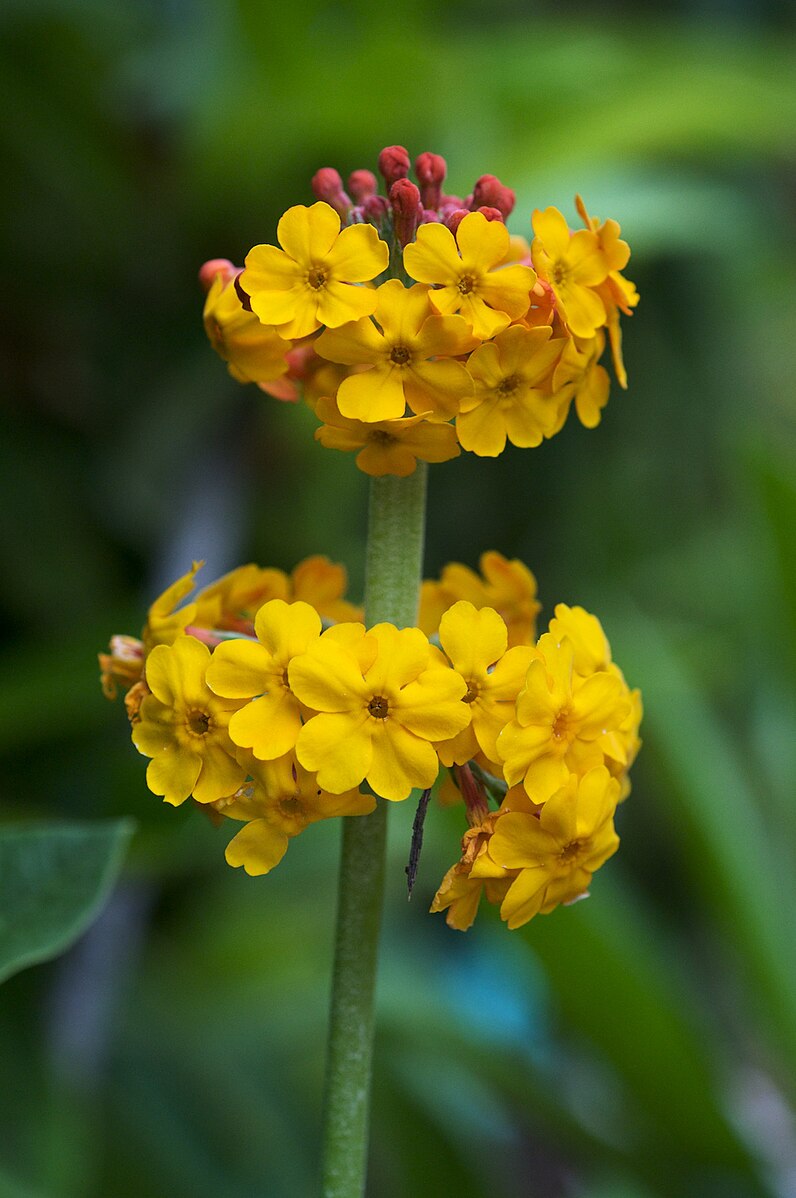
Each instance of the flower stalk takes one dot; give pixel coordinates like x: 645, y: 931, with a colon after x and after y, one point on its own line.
x: 396, y: 530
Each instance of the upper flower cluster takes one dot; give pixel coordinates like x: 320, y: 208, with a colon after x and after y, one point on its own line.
x: 267, y: 700
x: 416, y: 324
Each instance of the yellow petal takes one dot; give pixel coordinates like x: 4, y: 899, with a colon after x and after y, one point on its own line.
x: 432, y: 706
x: 173, y: 774
x: 338, y: 748
x: 268, y: 726
x: 177, y: 670
x: 483, y: 243
x: 401, y: 762
x: 328, y: 678
x: 338, y: 303
x: 552, y: 230
x: 524, y: 897
x: 356, y: 343
x: 472, y: 639
x: 308, y: 234
x: 220, y: 775
x: 258, y: 847
x: 375, y: 394
x: 433, y: 257
x: 239, y: 669
x: 287, y: 629
x: 358, y: 255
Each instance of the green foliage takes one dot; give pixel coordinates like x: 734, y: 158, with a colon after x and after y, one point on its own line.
x: 54, y: 881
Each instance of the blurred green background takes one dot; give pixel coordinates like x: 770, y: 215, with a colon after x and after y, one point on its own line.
x: 639, y: 1045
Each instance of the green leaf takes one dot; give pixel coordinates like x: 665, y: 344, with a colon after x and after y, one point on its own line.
x: 54, y: 881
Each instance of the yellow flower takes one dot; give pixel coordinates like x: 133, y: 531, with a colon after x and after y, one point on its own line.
x: 241, y: 669
x: 166, y: 621
x: 397, y: 358
x: 616, y: 292
x: 473, y: 876
x: 465, y: 277
x: 507, y: 400
x: 476, y: 643
x: 386, y: 446
x: 278, y: 802
x: 572, y: 264
x: 508, y: 586
x: 557, y: 851
x: 560, y: 720
x: 578, y: 376
x: 308, y: 283
x: 254, y: 352
x: 229, y: 604
x: 183, y: 727
x: 382, y: 700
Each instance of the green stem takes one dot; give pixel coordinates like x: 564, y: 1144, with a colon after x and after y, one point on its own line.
x: 396, y: 529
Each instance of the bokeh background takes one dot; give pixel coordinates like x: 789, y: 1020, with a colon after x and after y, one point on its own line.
x: 639, y: 1045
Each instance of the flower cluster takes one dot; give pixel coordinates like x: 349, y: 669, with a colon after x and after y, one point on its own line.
x: 416, y: 325
x: 268, y: 701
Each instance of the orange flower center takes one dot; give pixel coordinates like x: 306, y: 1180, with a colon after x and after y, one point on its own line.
x: 561, y: 725
x: 571, y: 851
x: 560, y: 273
x: 466, y: 284
x: 380, y: 437
x: 316, y: 279
x: 379, y: 707
x: 472, y: 692
x: 400, y: 355
x: 508, y: 386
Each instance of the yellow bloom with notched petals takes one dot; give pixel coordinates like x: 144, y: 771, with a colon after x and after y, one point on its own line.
x: 560, y: 720
x: 278, y: 802
x: 309, y: 281
x: 382, y: 699
x: 270, y: 723
x: 555, y: 853
x: 507, y: 585
x: 573, y: 265
x: 462, y: 270
x: 476, y: 644
x: 406, y: 356
x: 579, y: 377
x: 507, y: 402
x: 183, y: 727
x: 386, y: 446
x: 254, y: 352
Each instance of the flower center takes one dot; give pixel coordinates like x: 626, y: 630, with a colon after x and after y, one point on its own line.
x: 561, y: 725
x: 316, y: 279
x: 559, y: 273
x: 466, y: 284
x: 198, y: 723
x: 508, y: 386
x: 400, y: 355
x: 571, y: 851
x: 291, y: 806
x: 379, y: 707
x: 472, y: 692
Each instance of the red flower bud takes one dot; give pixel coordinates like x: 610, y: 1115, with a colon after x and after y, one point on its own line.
x: 491, y: 213
x: 393, y: 164
x: 328, y: 186
x: 431, y: 170
x: 489, y: 192
x: 213, y: 267
x: 407, y: 211
x: 362, y: 184
x: 454, y: 218
x: 375, y: 208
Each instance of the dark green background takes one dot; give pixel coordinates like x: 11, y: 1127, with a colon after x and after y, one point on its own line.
x: 639, y: 1045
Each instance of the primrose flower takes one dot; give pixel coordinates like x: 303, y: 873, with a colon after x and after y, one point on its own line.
x: 308, y: 282
x: 463, y: 272
x: 579, y: 377
x: 507, y: 373
x: 242, y: 669
x: 183, y: 727
x: 476, y: 644
x: 278, y: 802
x: 556, y: 852
x: 560, y: 719
x: 397, y: 357
x: 572, y: 265
x: 507, y: 586
x: 382, y: 699
x: 386, y: 446
x: 254, y: 352
x: 475, y: 875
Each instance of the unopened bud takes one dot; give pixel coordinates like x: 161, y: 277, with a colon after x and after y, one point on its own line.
x: 431, y: 170
x: 454, y: 218
x: 491, y: 214
x: 393, y: 164
x: 362, y: 184
x: 489, y: 192
x: 214, y: 267
x: 375, y: 209
x: 407, y: 211
x: 327, y: 185
x: 475, y: 801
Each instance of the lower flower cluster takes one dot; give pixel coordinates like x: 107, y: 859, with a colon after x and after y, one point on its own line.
x: 270, y: 703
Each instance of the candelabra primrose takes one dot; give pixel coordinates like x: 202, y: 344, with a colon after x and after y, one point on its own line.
x: 415, y: 326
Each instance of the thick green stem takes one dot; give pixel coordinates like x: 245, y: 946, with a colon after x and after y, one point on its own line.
x: 396, y: 528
